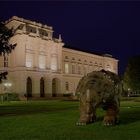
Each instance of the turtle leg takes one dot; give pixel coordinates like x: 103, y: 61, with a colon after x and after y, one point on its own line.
x: 87, y: 114
x: 87, y: 111
x: 111, y: 117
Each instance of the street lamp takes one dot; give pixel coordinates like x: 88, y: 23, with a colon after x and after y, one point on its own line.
x: 7, y: 84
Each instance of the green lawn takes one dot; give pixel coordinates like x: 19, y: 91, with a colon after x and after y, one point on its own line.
x: 55, y: 120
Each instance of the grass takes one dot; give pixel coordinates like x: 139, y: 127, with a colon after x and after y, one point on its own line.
x: 55, y: 120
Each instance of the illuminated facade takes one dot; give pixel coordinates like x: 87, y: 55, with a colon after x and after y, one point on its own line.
x: 41, y: 67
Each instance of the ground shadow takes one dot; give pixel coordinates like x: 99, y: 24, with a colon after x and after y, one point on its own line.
x: 27, y: 110
x: 129, y: 115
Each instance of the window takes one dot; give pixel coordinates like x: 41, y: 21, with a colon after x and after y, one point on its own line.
x: 43, y: 32
x: 29, y: 45
x: 85, y: 70
x: 73, y: 68
x: 42, y: 63
x: 29, y: 60
x: 108, y: 66
x: 54, y: 63
x: 96, y: 64
x: 67, y: 86
x: 20, y: 27
x: 66, y: 68
x: 5, y: 61
x: 30, y: 29
x: 79, y: 69
x: 90, y: 68
x: 66, y: 57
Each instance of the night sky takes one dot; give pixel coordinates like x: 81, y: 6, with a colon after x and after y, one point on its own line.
x: 96, y: 27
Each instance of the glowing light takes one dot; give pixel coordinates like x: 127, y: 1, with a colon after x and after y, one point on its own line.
x: 54, y: 63
x: 29, y: 60
x: 42, y: 64
x: 66, y: 68
x: 7, y: 84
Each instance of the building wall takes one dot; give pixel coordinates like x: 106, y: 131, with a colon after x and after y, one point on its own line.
x: 39, y: 55
x: 76, y: 64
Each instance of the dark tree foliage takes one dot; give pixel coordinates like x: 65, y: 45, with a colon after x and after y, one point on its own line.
x: 5, y: 35
x: 5, y: 46
x: 3, y: 76
x: 132, y: 74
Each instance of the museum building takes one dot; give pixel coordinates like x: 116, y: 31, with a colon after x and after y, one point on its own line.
x: 41, y: 67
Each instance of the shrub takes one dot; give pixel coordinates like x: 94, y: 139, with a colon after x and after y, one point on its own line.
x: 9, y: 97
x: 68, y: 94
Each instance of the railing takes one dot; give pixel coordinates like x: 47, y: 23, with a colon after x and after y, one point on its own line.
x: 134, y: 93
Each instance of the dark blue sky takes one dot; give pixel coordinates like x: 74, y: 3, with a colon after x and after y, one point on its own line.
x: 96, y: 27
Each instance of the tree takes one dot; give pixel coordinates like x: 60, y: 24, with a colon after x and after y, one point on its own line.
x: 131, y: 80
x: 5, y: 46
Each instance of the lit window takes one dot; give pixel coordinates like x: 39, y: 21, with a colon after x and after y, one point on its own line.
x: 42, y: 64
x: 29, y: 60
x: 66, y: 68
x: 54, y: 63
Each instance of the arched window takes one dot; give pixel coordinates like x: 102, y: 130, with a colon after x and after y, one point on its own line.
x: 42, y: 87
x: 29, y: 87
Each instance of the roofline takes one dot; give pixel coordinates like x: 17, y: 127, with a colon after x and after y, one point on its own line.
x: 96, y: 55
x: 50, y: 28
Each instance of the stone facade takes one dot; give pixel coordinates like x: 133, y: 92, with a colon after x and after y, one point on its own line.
x: 41, y: 67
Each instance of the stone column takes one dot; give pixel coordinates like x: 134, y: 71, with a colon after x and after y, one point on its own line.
x: 48, y: 87
x: 36, y: 86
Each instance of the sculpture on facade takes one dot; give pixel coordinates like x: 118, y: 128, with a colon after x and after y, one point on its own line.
x: 99, y: 88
